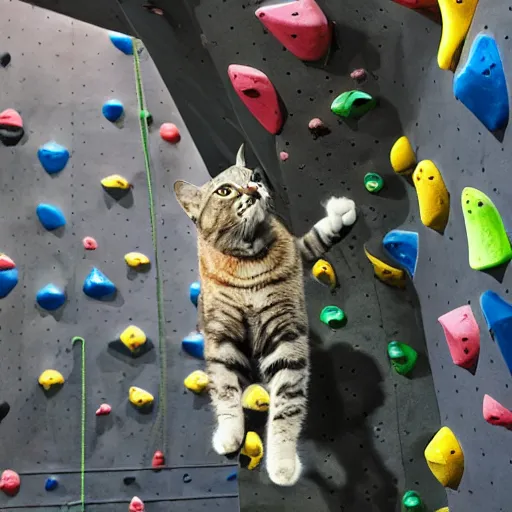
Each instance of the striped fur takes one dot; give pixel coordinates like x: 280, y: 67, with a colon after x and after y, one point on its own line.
x: 252, y: 307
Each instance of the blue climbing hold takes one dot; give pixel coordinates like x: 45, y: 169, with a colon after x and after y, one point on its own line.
x: 194, y: 291
x: 498, y: 315
x: 97, y: 285
x: 50, y: 216
x: 50, y: 297
x: 51, y: 483
x: 481, y: 85
x: 122, y: 42
x: 53, y: 157
x: 232, y: 476
x: 193, y: 345
x: 8, y: 280
x: 402, y: 246
x: 112, y: 110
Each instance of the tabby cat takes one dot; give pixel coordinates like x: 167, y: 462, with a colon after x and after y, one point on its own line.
x: 252, y: 308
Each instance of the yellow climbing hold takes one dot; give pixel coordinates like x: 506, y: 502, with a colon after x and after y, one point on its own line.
x: 386, y: 273
x: 50, y: 378
x: 136, y: 259
x: 253, y: 448
x: 197, y: 381
x: 324, y: 273
x: 133, y: 338
x: 402, y: 156
x: 445, y: 458
x: 433, y: 196
x: 444, y: 509
x: 457, y: 16
x: 139, y: 397
x: 116, y: 181
x: 256, y: 398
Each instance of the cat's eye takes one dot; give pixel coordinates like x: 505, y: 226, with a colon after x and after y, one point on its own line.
x: 224, y: 191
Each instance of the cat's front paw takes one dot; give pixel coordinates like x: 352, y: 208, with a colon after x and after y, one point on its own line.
x: 228, y: 438
x: 341, y: 211
x: 284, y: 471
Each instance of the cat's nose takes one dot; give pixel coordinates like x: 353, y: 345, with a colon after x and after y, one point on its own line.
x: 252, y: 189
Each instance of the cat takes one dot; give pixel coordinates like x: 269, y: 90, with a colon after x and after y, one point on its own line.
x: 252, y: 307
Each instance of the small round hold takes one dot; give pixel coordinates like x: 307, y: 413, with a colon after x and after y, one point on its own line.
x: 89, y: 243
x: 359, y: 75
x: 373, y: 182
x: 284, y: 156
x: 187, y: 478
x: 128, y: 480
x: 318, y: 128
x: 158, y: 460
x: 146, y: 114
x: 112, y: 110
x: 333, y: 316
x: 5, y: 59
x: 10, y: 482
x: 136, y: 505
x: 4, y: 410
x: 103, y: 410
x: 51, y: 483
x: 232, y: 476
x: 170, y: 133
x: 50, y: 378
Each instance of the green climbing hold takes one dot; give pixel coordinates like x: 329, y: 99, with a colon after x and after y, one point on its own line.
x: 353, y: 104
x: 146, y: 114
x: 373, y: 182
x: 411, y: 502
x: 488, y: 243
x: 333, y: 316
x: 403, y: 357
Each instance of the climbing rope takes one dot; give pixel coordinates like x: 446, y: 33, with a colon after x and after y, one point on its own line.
x: 143, y: 120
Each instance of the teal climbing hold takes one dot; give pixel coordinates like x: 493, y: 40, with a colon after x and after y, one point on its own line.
x: 194, y: 291
x: 50, y: 216
x: 353, y: 104
x: 498, y: 315
x: 53, y: 157
x: 8, y: 280
x: 481, y: 85
x: 402, y: 246
x: 112, y: 110
x: 97, y: 285
x: 122, y: 42
x: 193, y: 345
x: 50, y: 297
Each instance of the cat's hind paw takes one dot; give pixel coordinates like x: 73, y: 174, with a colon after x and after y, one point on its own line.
x: 228, y: 438
x: 284, y: 471
x: 341, y: 211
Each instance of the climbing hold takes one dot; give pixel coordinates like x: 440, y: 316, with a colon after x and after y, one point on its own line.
x: 318, y: 128
x: 256, y: 91
x: 115, y: 182
x: 402, y: 246
x: 112, y: 110
x: 445, y: 458
x: 187, y: 478
x: 6, y: 263
x: 136, y: 505
x: 481, y: 85
x: 324, y: 273
x: 170, y: 133
x: 97, y: 285
x: 51, y: 483
x: 462, y: 335
x: 353, y: 104
x: 4, y: 410
x: 103, y: 410
x: 139, y: 397
x: 417, y: 4
x: 193, y: 345
x: 402, y: 156
x: 383, y: 268
x: 53, y: 157
x: 89, y: 243
x: 411, y: 502
x: 444, y: 509
x: 232, y: 476
x: 122, y: 42
x: 129, y: 480
x: 256, y: 398
x: 457, y: 17
x: 50, y: 216
x: 136, y: 259
x: 10, y: 482
x: 333, y: 316
x: 496, y: 414
x: 284, y: 156
x: 50, y: 378
x: 8, y: 280
x: 5, y: 59
x: 11, y: 127
x: 403, y: 357
x: 498, y: 315
x: 253, y: 448
x: 158, y: 460
x: 50, y: 297
x: 197, y: 381
x: 133, y: 338
x: 433, y: 197
x: 488, y: 243
x: 373, y: 182
x: 300, y: 26
x: 194, y: 291
x: 146, y: 114
x: 359, y: 75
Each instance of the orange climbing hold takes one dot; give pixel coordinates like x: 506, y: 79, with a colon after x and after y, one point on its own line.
x: 255, y: 89
x: 496, y: 414
x: 300, y: 26
x: 170, y: 133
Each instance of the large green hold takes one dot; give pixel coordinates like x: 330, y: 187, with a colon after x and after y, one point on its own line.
x: 353, y: 104
x: 488, y: 243
x: 402, y: 356
x: 411, y: 502
x: 333, y: 316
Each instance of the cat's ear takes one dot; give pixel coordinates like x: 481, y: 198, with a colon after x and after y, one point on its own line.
x: 189, y: 197
x: 240, y: 157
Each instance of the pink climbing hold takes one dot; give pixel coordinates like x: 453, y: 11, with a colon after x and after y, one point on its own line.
x: 103, y: 410
x: 6, y: 263
x: 12, y: 118
x: 359, y: 75
x: 462, y: 335
x: 284, y: 156
x: 417, y: 4
x: 300, y: 26
x: 318, y: 128
x: 89, y: 243
x: 10, y: 482
x: 496, y: 414
x: 170, y: 133
x: 136, y: 505
x: 158, y: 460
x: 255, y: 89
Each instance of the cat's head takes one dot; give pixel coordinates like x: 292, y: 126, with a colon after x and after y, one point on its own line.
x: 230, y: 211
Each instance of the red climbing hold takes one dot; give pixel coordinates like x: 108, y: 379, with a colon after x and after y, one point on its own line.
x: 496, y: 414
x: 170, y: 133
x: 136, y: 505
x: 10, y: 117
x: 6, y: 263
x: 417, y: 4
x: 103, y: 410
x: 255, y: 89
x: 300, y: 26
x: 89, y: 243
x: 10, y: 482
x: 158, y: 460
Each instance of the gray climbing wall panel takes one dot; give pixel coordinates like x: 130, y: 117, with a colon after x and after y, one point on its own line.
x: 61, y: 73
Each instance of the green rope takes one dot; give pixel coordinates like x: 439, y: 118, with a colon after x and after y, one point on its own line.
x: 162, y: 401
x: 82, y: 426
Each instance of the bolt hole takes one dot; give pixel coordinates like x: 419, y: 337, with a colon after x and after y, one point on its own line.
x: 480, y: 203
x: 295, y: 13
x: 293, y: 36
x: 251, y: 93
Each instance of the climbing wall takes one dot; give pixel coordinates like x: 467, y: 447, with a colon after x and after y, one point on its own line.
x: 61, y: 73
